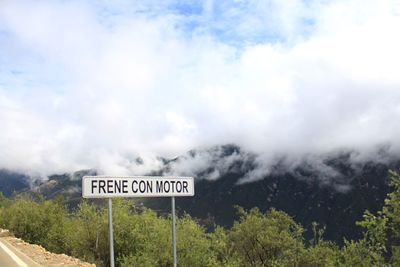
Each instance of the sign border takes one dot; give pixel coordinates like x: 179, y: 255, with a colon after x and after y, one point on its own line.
x: 137, y: 177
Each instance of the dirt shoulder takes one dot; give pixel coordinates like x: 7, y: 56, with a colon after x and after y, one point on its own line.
x: 41, y: 255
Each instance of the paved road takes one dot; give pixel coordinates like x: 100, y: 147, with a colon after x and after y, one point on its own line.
x: 11, y: 257
x: 6, y: 260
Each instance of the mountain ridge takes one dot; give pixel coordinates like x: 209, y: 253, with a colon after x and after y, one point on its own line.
x: 304, y: 192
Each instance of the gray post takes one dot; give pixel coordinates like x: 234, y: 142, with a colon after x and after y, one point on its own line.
x: 173, y: 230
x: 110, y: 225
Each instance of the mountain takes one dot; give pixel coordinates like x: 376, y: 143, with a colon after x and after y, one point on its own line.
x: 68, y: 186
x: 11, y: 182
x: 306, y: 201
x: 334, y: 193
x: 306, y: 193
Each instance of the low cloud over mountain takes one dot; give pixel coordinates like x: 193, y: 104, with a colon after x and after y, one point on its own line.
x: 97, y: 85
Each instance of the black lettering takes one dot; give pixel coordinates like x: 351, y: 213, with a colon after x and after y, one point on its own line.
x: 125, y: 186
x: 172, y: 186
x: 185, y: 186
x: 94, y: 185
x: 110, y: 186
x: 102, y: 185
x: 133, y: 187
x: 178, y: 186
x: 159, y: 187
x: 117, y: 186
x: 142, y: 186
x: 149, y: 186
x: 167, y: 188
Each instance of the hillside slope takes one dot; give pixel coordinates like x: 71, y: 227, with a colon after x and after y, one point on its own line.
x: 304, y: 192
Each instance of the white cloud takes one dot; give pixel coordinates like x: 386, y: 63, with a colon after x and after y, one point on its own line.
x: 97, y: 90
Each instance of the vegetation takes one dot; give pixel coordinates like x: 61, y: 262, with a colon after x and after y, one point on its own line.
x: 143, y: 238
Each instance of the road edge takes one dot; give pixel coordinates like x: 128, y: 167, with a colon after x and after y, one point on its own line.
x: 21, y: 259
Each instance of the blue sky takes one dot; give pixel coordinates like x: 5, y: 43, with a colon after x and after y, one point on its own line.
x: 93, y: 84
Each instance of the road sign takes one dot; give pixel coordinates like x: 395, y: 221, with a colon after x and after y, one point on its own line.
x: 136, y: 186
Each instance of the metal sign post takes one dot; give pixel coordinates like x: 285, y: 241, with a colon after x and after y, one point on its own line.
x: 173, y: 230
x: 111, y: 238
x: 137, y: 186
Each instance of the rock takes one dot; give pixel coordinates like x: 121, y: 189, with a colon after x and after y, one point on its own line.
x: 4, y: 233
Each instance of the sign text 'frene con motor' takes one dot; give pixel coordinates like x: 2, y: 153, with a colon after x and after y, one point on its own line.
x: 123, y: 186
x: 96, y: 186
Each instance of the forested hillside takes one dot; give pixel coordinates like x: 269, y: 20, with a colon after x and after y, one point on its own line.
x: 11, y: 182
x: 305, y: 193
x: 142, y: 238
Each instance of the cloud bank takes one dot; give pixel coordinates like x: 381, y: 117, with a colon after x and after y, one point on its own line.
x: 97, y: 84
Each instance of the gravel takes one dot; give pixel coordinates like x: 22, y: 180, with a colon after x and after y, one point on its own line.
x: 41, y: 255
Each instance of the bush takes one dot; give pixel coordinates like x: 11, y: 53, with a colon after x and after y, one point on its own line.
x: 142, y: 238
x: 41, y: 222
x: 271, y: 239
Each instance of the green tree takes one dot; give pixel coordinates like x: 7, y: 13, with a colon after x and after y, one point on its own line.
x: 193, y: 244
x: 87, y: 238
x: 145, y: 239
x: 23, y: 219
x: 223, y: 252
x: 320, y: 253
x: 4, y: 201
x: 271, y: 239
x: 382, y: 231
x: 54, y: 220
x: 141, y: 239
x: 41, y: 222
x: 359, y: 253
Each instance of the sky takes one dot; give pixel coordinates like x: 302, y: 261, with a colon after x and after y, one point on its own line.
x: 96, y: 84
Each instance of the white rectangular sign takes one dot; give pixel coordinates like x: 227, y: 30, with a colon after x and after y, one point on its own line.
x: 136, y: 186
